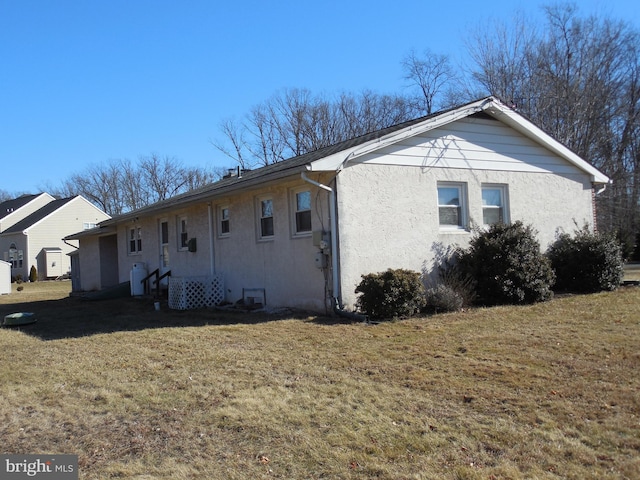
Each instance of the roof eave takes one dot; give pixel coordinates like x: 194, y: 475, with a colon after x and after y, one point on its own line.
x: 206, y: 195
x: 519, y: 123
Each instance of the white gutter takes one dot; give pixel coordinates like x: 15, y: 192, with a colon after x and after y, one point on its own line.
x: 212, y: 258
x: 334, y: 238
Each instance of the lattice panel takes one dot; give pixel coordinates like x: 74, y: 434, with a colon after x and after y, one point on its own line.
x: 186, y: 293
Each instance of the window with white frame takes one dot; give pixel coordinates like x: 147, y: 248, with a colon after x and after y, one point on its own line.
x: 266, y: 217
x: 135, y: 240
x: 301, y: 200
x: 15, y: 256
x: 494, y: 204
x: 183, y: 234
x: 224, y: 226
x: 452, y: 205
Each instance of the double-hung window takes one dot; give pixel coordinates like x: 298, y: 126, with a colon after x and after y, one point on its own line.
x: 302, y: 211
x: 224, y: 222
x: 135, y: 240
x: 452, y: 205
x: 494, y: 204
x: 266, y: 218
x: 183, y: 234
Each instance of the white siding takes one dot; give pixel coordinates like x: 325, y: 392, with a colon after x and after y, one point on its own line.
x: 476, y: 143
x: 49, y: 232
x: 23, y: 212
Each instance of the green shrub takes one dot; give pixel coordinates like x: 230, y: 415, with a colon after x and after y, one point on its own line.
x: 507, y: 266
x: 33, y: 274
x: 394, y: 293
x: 587, y: 262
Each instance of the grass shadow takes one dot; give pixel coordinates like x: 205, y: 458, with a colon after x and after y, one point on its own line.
x: 74, y: 317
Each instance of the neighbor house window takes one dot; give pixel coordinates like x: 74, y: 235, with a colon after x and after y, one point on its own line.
x: 494, y: 199
x: 452, y: 205
x: 266, y: 217
x: 183, y: 235
x: 88, y: 225
x: 225, y: 226
x: 135, y: 240
x: 302, y: 211
x: 15, y: 256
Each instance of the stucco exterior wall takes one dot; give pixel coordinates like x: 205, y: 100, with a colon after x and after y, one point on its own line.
x: 89, y: 263
x: 389, y: 214
x: 282, y: 265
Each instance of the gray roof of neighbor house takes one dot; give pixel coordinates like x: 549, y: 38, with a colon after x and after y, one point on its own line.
x: 10, y: 206
x: 38, y: 215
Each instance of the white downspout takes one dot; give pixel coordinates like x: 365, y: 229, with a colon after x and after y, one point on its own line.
x: 334, y: 239
x: 212, y: 256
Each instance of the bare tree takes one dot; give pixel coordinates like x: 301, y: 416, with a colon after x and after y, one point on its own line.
x: 120, y: 185
x: 4, y: 196
x: 430, y: 73
x: 295, y: 122
x: 577, y: 79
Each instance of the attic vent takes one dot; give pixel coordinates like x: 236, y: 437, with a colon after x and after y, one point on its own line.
x: 482, y: 115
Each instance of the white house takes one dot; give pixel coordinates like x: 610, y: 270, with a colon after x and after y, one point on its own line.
x: 33, y: 228
x: 300, y: 233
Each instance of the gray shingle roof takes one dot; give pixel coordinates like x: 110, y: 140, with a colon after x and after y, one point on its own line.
x: 38, y: 215
x: 249, y: 177
x: 10, y: 206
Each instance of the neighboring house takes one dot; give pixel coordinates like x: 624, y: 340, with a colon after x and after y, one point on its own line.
x: 12, y: 211
x: 302, y: 232
x: 33, y: 231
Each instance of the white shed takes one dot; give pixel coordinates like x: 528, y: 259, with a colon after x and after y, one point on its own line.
x: 5, y: 277
x: 53, y: 265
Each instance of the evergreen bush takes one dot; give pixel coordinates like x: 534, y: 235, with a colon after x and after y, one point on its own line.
x: 507, y: 266
x: 394, y: 293
x: 33, y: 274
x: 586, y: 262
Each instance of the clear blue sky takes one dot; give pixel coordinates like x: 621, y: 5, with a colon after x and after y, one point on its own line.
x: 86, y: 81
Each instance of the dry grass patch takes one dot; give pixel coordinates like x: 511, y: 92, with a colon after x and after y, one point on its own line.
x: 543, y: 391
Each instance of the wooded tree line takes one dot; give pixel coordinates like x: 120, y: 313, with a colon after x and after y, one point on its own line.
x: 118, y: 186
x: 577, y: 77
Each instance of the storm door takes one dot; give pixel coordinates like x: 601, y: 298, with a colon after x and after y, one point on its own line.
x: 164, y: 249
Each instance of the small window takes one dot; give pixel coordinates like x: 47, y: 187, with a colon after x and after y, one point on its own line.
x: 494, y: 204
x: 266, y: 218
x: 302, y: 208
x: 225, y: 226
x: 183, y: 235
x: 451, y: 205
x: 135, y: 240
x: 88, y: 225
